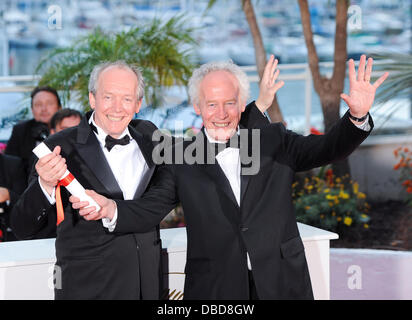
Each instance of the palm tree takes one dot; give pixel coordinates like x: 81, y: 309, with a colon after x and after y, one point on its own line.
x: 161, y: 49
x: 274, y: 111
x: 399, y: 84
x: 329, y: 90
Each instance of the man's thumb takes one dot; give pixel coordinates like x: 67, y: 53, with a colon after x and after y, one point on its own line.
x: 95, y: 196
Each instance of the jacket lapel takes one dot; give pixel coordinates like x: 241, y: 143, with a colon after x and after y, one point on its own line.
x: 244, y: 150
x: 146, y: 147
x: 90, y: 151
x: 213, y: 170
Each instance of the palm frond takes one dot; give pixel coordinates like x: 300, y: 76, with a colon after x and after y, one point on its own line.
x: 161, y: 49
x: 399, y: 82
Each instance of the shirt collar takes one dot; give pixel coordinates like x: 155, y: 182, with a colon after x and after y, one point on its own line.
x: 101, y: 135
x: 211, y: 140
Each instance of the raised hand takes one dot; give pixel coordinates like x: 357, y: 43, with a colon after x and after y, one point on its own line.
x: 268, y: 85
x: 361, y: 91
x: 107, y: 206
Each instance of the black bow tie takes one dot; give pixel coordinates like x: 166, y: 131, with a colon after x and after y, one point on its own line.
x: 232, y: 143
x: 111, y: 142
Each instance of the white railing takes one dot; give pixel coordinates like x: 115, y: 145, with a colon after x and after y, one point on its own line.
x: 304, y: 75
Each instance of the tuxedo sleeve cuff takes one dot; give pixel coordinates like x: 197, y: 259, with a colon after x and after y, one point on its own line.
x: 110, y: 224
x: 51, y: 198
x: 365, y: 126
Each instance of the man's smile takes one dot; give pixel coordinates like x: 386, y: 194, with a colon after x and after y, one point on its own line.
x: 221, y: 125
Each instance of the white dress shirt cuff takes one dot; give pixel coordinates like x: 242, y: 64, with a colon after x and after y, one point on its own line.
x: 365, y: 126
x: 52, y: 197
x: 110, y: 224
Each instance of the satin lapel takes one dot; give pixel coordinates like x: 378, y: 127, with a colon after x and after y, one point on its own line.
x: 90, y: 151
x: 146, y: 147
x: 215, y: 172
x: 245, y: 150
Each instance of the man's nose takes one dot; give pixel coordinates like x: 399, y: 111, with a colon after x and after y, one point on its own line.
x: 221, y: 111
x: 117, y: 104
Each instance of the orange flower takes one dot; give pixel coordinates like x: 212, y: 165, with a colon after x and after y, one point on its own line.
x: 409, y: 190
x: 406, y: 149
x: 397, y: 166
x: 407, y: 183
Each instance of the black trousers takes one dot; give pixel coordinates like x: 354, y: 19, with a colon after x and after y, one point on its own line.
x: 252, y: 288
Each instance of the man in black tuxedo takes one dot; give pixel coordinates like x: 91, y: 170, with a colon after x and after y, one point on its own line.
x: 45, y: 102
x: 91, y: 263
x: 112, y: 154
x: 242, y: 237
x: 13, y: 181
x: 45, y: 227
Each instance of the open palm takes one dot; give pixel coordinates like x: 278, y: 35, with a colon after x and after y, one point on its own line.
x: 268, y: 85
x: 361, y: 91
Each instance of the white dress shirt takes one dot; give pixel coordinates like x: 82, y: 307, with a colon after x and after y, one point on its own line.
x: 229, y: 160
x: 126, y: 162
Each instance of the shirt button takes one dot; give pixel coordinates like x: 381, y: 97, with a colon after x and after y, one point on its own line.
x: 244, y: 229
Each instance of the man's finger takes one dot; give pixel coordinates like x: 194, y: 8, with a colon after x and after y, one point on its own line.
x: 100, y: 200
x: 92, y: 216
x: 345, y: 98
x: 86, y: 211
x: 74, y: 199
x: 57, y: 150
x: 274, y: 77
x: 380, y: 80
x: 368, y: 71
x: 352, y: 73
x: 268, y: 67
x: 279, y: 85
x: 361, y: 68
x: 46, y: 159
x: 80, y: 204
x: 273, y: 69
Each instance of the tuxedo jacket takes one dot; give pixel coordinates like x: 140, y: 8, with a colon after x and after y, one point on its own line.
x: 23, y: 139
x: 220, y: 232
x: 94, y: 263
x: 12, y: 177
x: 91, y: 262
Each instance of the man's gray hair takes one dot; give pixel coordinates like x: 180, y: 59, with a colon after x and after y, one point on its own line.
x: 229, y: 66
x: 98, y: 69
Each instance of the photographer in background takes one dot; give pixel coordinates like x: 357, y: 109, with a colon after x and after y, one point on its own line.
x: 45, y: 102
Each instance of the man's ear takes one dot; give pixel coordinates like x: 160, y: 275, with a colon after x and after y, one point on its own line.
x: 92, y: 100
x: 197, y: 109
x: 242, y: 105
x: 138, y: 105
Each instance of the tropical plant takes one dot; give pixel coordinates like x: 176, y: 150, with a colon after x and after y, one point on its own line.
x: 399, y: 84
x: 161, y: 49
x: 329, y: 89
x: 325, y: 201
x: 404, y: 166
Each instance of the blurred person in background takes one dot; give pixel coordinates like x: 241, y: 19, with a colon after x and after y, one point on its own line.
x: 45, y: 102
x: 12, y: 184
x: 62, y: 119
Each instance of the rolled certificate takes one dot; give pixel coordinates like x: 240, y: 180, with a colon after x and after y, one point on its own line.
x: 70, y: 182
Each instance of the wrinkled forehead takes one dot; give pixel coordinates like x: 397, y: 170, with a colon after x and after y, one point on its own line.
x: 220, y: 84
x: 117, y: 78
